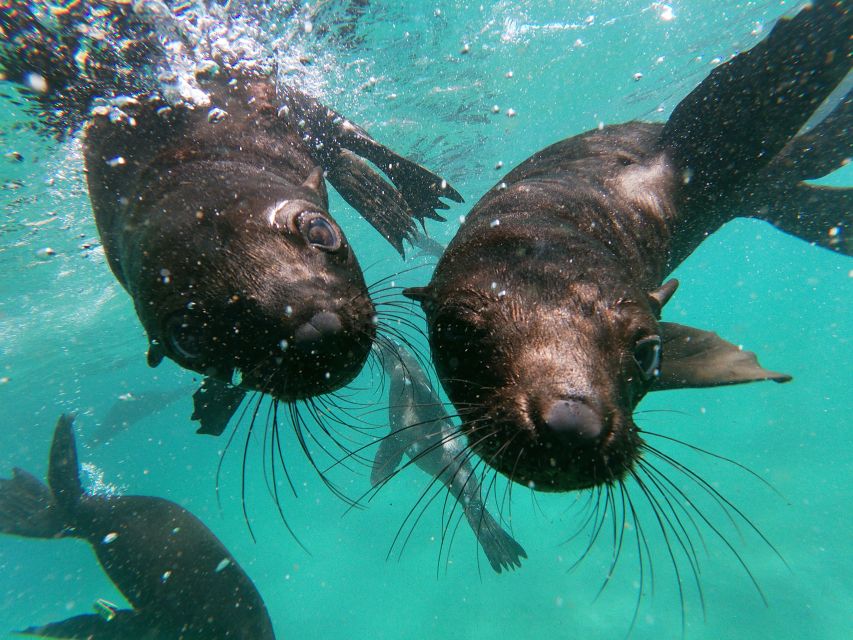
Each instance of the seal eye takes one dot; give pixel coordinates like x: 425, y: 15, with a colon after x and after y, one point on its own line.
x: 183, y: 337
x: 319, y: 232
x: 647, y: 357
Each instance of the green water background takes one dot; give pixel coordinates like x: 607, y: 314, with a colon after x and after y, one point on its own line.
x: 70, y: 341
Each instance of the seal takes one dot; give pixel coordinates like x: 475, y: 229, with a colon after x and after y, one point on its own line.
x: 421, y: 428
x: 215, y: 219
x: 179, y: 579
x: 544, y: 312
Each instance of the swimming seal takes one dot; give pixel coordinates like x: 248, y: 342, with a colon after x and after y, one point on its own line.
x: 215, y: 219
x: 178, y: 577
x: 421, y: 428
x: 543, y: 313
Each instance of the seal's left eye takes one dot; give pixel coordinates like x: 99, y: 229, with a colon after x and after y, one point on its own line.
x: 647, y: 356
x: 319, y: 232
x: 183, y: 337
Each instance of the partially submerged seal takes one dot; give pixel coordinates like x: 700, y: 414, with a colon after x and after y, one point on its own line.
x: 215, y: 219
x: 179, y: 579
x: 544, y: 312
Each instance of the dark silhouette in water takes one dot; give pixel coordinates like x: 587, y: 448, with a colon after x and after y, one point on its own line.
x: 421, y: 428
x: 214, y: 217
x: 544, y: 311
x: 179, y: 579
x: 130, y: 409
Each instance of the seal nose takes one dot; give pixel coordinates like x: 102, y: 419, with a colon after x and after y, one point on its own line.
x: 573, y: 421
x: 322, y: 325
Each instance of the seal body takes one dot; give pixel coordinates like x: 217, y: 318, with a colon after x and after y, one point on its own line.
x: 214, y: 217
x: 544, y: 312
x: 180, y: 580
x: 421, y: 428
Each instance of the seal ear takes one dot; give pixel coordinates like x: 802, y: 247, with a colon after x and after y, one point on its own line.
x: 660, y: 296
x: 695, y: 358
x: 419, y: 294
x: 314, y: 181
x: 155, y: 353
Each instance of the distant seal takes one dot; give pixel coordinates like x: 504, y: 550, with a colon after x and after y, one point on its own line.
x: 543, y: 313
x: 179, y: 579
x: 421, y: 428
x: 215, y: 219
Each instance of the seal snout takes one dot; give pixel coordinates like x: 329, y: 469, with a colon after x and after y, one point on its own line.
x: 573, y: 422
x: 321, y: 326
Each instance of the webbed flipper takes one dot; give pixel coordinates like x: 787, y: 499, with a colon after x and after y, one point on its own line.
x: 817, y: 214
x: 328, y: 134
x: 747, y: 110
x: 376, y: 199
x: 696, y: 358
x: 387, y: 459
x: 214, y: 403
x: 124, y: 625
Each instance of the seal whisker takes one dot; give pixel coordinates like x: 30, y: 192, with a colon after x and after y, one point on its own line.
x: 718, y: 456
x: 725, y: 504
x: 228, y: 442
x: 670, y: 551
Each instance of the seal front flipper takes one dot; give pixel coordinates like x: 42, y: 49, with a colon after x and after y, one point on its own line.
x: 123, y: 625
x: 695, y: 358
x: 376, y: 199
x: 214, y: 403
x: 746, y: 111
x: 328, y: 133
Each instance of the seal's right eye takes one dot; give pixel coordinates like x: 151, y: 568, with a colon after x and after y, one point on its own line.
x: 647, y: 356
x: 183, y: 337
x: 318, y: 231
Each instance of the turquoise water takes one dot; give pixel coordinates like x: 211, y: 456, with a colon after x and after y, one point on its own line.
x: 70, y: 341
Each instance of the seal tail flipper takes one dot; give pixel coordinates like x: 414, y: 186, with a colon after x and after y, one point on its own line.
x: 63, y: 473
x: 695, y: 358
x: 123, y: 624
x: 818, y: 214
x: 27, y: 507
x: 328, y: 134
x: 745, y: 112
x: 30, y: 508
x: 501, y: 549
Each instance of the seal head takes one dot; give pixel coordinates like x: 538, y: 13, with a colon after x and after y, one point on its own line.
x: 265, y: 284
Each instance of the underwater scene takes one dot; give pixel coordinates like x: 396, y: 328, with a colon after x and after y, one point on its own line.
x: 249, y: 391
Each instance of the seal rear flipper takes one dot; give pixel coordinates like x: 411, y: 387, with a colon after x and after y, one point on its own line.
x: 214, y: 403
x: 124, y: 624
x: 27, y: 507
x: 376, y: 199
x: 746, y: 111
x: 695, y: 358
x: 820, y: 215
x: 63, y: 472
x: 817, y: 214
x: 387, y: 459
x: 500, y: 548
x: 328, y: 132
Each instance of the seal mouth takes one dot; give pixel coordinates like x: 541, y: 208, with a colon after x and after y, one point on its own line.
x: 320, y: 356
x: 569, y: 446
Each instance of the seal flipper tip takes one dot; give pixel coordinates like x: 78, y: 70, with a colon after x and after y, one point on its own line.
x: 695, y: 358
x: 745, y: 112
x: 820, y: 215
x: 124, y: 625
x: 388, y: 457
x: 214, y: 403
